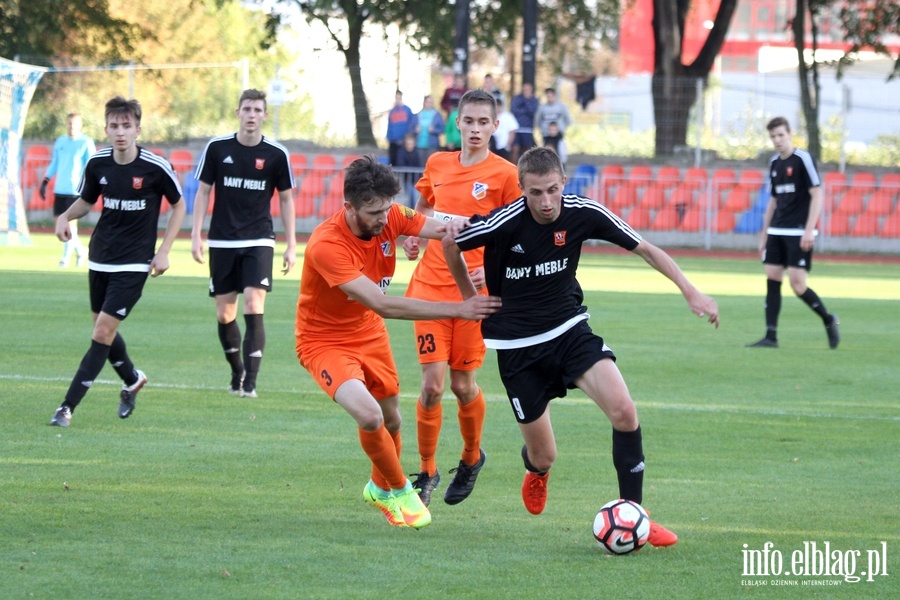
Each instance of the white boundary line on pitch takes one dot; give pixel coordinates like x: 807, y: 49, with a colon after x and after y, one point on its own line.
x: 558, y: 401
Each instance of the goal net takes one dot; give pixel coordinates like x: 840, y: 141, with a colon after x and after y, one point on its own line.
x: 17, y: 84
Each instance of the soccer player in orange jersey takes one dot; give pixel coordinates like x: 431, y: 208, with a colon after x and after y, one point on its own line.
x: 471, y: 181
x: 341, y: 337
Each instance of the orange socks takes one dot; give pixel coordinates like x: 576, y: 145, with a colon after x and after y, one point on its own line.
x: 428, y: 429
x: 383, y: 449
x: 471, y: 423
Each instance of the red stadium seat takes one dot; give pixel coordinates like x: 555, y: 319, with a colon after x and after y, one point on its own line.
x: 838, y: 225
x: 304, y: 206
x: 724, y: 179
x: 639, y: 176
x: 834, y: 182
x: 653, y: 198
x: 864, y: 182
x: 738, y: 200
x: 682, y: 197
x: 37, y: 159
x: 693, y: 220
x: 345, y: 162
x: 891, y: 226
x: 299, y: 164
x: 612, y: 174
x: 665, y: 220
x: 724, y: 221
x: 851, y: 203
x: 865, y: 226
x: 623, y: 198
x: 668, y: 176
x: 639, y: 218
x: 751, y: 180
x: 695, y: 177
x: 324, y: 162
x: 182, y: 161
x: 881, y: 203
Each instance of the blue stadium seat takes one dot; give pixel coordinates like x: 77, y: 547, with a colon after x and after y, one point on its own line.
x: 582, y: 180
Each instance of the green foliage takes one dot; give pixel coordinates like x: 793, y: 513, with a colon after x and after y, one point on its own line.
x: 202, y: 495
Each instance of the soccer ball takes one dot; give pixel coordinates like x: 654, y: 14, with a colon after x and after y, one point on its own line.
x: 621, y: 526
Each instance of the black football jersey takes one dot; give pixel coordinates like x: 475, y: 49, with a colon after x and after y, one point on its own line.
x: 532, y: 266
x: 244, y: 179
x: 126, y: 233
x: 789, y: 182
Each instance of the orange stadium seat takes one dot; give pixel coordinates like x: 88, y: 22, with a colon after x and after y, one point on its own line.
x: 738, y: 200
x: 182, y: 161
x: 891, y: 226
x: 612, y: 174
x: 724, y: 179
x: 304, y: 205
x: 330, y: 204
x: 299, y: 164
x: 623, y: 198
x: 865, y: 226
x: 682, y: 197
x: 668, y: 176
x: 693, y: 220
x: 37, y: 159
x: 275, y: 205
x: 751, y: 180
x: 696, y: 177
x: 639, y: 176
x: 724, y: 221
x: 881, y: 203
x: 664, y: 220
x: 851, y: 203
x: 838, y: 225
x: 324, y: 162
x: 890, y: 181
x: 864, y: 182
x: 639, y: 218
x: 653, y: 198
x: 345, y: 162
x: 834, y: 182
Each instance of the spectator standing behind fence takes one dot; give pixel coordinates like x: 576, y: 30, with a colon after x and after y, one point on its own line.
x: 552, y: 111
x: 556, y: 142
x: 400, y: 122
x: 429, y: 128
x: 70, y: 154
x: 505, y: 135
x: 789, y: 231
x: 452, y: 137
x: 453, y: 94
x: 409, y: 168
x: 523, y: 108
x: 491, y: 88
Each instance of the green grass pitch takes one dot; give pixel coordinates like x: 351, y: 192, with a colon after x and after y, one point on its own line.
x: 203, y: 495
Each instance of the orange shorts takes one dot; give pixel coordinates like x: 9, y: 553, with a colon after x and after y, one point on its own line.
x: 457, y: 342
x: 371, y: 361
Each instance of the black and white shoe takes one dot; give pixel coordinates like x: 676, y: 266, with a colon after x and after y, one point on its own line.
x: 128, y: 395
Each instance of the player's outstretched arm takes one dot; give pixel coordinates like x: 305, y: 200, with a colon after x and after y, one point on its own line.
x: 160, y: 262
x: 364, y: 291
x: 699, y: 303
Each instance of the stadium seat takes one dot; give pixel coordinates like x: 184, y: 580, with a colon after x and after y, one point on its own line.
x: 864, y: 182
x: 304, y: 206
x: 37, y: 159
x: 838, y: 225
x: 881, y: 203
x: 158, y: 151
x: 891, y: 226
x: 693, y: 220
x: 865, y: 225
x: 834, y: 183
x: 639, y: 218
x: 696, y: 177
x: 724, y: 221
x: 653, y: 197
x: 724, y: 179
x: 324, y: 162
x: 311, y: 189
x: 851, y: 203
x: 751, y: 180
x: 738, y: 200
x: 664, y: 220
x: 275, y: 205
x: 182, y: 161
x: 624, y: 197
x: 668, y: 176
x: 682, y: 197
x: 611, y: 175
x: 582, y: 181
x: 639, y: 176
x: 299, y: 164
x: 890, y: 181
x: 35, y: 202
x: 330, y: 204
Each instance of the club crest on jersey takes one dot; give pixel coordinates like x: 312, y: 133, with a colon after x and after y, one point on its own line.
x: 559, y: 238
x: 260, y: 163
x: 408, y: 212
x: 790, y: 171
x: 479, y: 190
x: 137, y: 182
x: 387, y: 249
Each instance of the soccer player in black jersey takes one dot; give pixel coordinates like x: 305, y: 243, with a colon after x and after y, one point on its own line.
x: 247, y: 169
x: 789, y: 231
x: 132, y: 182
x: 541, y: 333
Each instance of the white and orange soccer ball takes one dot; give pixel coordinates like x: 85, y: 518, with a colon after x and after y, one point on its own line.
x: 621, y: 526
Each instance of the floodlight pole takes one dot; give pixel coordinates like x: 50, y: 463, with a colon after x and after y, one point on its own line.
x: 461, y: 41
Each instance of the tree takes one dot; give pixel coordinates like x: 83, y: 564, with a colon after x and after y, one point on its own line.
x: 674, y: 83
x: 569, y: 26
x: 864, y: 25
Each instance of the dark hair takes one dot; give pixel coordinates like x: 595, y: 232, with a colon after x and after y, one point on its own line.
x: 366, y: 180
x: 479, y: 97
x: 778, y: 122
x: 539, y: 161
x: 121, y: 106
x: 252, y: 94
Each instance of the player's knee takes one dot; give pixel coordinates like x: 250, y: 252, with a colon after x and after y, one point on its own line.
x: 431, y: 393
x: 465, y: 391
x: 370, y: 421
x: 623, y: 416
x: 542, y: 458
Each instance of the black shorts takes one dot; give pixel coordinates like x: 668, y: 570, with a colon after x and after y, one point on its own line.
x: 536, y: 374
x: 785, y: 250
x: 116, y: 294
x: 524, y: 140
x: 62, y: 202
x: 234, y: 269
